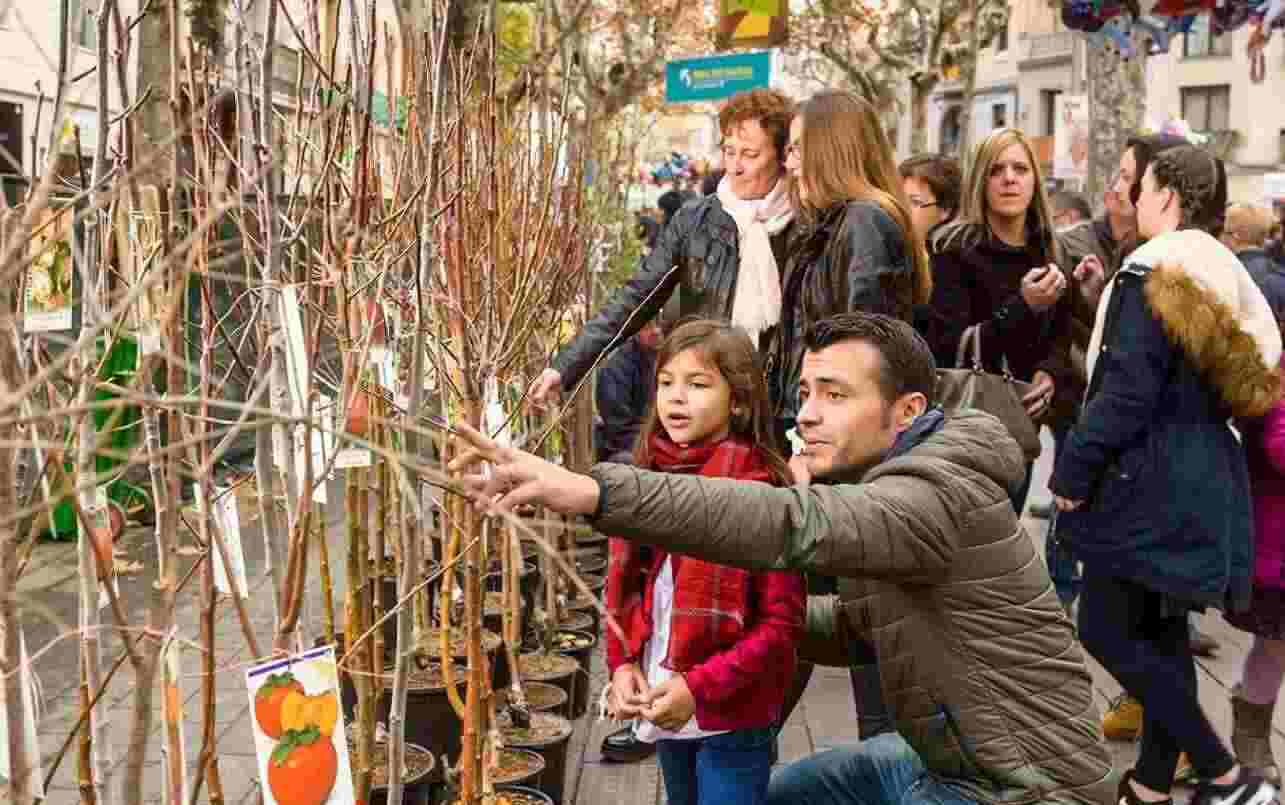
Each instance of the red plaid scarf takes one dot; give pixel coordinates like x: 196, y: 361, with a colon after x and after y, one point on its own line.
x: 711, y: 601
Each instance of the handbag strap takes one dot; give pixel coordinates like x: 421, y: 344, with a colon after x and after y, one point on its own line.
x: 972, y: 336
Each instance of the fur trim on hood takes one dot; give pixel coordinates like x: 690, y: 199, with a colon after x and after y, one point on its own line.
x: 1212, y: 309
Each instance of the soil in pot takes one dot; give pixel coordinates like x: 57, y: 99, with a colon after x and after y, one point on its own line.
x: 430, y: 720
x: 417, y: 773
x: 587, y: 607
x: 547, y: 735
x: 541, y: 697
x: 521, y: 795
x: 578, y: 645
x: 493, y: 612
x: 577, y: 622
x: 591, y: 565
x: 430, y: 649
x: 517, y: 795
x: 555, y: 669
x: 518, y: 766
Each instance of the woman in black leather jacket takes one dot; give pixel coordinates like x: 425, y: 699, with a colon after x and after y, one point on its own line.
x: 855, y: 250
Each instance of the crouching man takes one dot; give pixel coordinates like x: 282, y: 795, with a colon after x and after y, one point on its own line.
x: 910, y: 509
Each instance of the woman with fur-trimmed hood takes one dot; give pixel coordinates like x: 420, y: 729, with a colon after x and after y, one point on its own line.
x: 1152, y: 486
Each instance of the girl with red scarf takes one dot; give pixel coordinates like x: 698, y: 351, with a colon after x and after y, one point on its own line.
x: 708, y: 650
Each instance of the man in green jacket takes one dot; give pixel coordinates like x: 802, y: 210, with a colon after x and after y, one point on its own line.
x: 983, y: 675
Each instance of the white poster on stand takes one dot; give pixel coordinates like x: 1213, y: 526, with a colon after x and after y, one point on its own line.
x: 1071, y: 138
x: 299, y: 730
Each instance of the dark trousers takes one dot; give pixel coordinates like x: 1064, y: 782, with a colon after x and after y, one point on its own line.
x: 1128, y: 629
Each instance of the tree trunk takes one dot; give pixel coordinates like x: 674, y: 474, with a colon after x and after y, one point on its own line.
x: 156, y: 123
x: 1117, y: 105
x: 918, y: 117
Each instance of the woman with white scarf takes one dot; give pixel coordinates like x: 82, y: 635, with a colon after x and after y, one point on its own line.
x: 721, y: 255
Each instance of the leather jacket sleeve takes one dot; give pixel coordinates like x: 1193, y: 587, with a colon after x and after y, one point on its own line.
x: 633, y: 304
x: 872, y: 264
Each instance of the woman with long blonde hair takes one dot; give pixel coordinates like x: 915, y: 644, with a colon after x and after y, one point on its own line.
x: 996, y: 266
x: 856, y: 251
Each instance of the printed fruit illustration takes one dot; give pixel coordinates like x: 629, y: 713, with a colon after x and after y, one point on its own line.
x: 268, y: 699
x: 303, y: 768
x: 299, y: 712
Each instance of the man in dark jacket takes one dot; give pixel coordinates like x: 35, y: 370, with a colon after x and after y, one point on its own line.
x: 987, y: 684
x: 623, y: 395
x: 1245, y: 233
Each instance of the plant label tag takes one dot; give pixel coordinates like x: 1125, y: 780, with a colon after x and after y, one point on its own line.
x: 352, y: 457
x: 296, y: 350
x: 227, y: 518
x: 299, y: 735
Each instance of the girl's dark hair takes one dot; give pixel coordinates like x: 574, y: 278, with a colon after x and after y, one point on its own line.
x: 943, y: 177
x: 1145, y: 149
x: 730, y: 351
x: 1200, y: 181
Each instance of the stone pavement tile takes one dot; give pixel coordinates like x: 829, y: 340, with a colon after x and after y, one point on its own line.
x: 829, y: 709
x: 793, y: 742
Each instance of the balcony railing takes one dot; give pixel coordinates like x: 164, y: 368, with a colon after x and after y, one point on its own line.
x: 1049, y: 46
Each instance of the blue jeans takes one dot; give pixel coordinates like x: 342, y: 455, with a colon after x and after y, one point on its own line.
x: 883, y: 770
x: 732, y: 767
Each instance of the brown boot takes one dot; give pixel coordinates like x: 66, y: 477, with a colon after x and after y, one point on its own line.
x: 1251, y: 737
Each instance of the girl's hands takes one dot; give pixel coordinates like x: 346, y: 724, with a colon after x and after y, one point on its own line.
x: 629, y: 691
x: 670, y: 704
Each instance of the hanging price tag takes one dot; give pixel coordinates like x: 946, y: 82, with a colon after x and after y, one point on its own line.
x: 227, y: 519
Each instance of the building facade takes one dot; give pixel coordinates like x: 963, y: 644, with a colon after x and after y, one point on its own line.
x: 1205, y: 80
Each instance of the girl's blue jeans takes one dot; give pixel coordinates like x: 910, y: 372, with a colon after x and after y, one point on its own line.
x: 733, y: 767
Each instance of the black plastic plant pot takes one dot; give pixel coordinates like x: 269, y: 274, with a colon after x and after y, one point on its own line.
x: 579, y: 646
x: 415, y: 791
x: 549, y: 735
x: 522, y: 795
x: 555, y: 669
x: 389, y: 627
x: 541, y: 697
x: 520, y: 767
x: 430, y: 721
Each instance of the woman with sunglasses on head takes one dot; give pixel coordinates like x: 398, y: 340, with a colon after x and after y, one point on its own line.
x: 856, y: 249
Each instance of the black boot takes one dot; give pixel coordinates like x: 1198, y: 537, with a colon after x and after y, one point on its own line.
x: 622, y: 746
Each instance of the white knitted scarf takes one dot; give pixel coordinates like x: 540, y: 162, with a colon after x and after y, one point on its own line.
x: 757, y: 304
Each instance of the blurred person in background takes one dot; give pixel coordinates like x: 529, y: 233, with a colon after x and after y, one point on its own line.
x: 1245, y: 233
